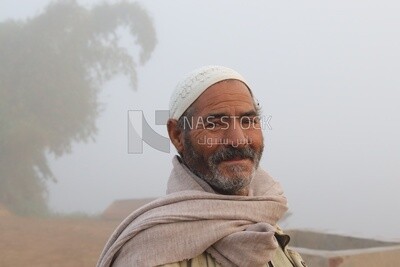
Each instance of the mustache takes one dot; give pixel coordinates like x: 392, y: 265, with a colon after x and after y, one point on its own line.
x: 229, y: 153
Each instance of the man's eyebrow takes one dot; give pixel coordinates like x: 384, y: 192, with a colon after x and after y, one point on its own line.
x: 219, y: 115
x: 216, y: 115
x: 250, y: 113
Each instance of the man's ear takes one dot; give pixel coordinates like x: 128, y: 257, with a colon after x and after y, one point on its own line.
x: 175, y: 134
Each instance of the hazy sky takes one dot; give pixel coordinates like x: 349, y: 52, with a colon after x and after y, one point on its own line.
x: 327, y: 73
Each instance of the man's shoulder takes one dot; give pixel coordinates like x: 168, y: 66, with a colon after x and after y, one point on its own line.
x: 203, y: 259
x: 283, y: 256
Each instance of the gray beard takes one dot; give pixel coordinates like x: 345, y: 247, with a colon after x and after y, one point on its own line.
x: 228, y: 185
x: 219, y: 182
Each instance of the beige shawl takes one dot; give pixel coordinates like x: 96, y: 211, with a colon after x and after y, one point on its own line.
x: 192, y: 218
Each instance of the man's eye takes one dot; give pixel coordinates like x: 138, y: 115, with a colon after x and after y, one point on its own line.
x: 214, y: 125
x: 210, y: 126
x: 246, y: 120
x: 250, y: 121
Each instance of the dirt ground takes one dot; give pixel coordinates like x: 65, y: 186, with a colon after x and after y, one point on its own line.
x: 54, y: 242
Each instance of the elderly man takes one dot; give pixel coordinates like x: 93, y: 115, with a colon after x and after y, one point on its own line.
x: 221, y: 209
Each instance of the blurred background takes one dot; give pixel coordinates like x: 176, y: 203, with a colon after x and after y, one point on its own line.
x: 326, y: 72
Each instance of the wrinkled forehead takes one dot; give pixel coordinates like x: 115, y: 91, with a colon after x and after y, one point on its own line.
x: 198, y: 81
x: 224, y: 97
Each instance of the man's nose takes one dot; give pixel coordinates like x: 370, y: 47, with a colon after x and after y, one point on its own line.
x: 235, y: 135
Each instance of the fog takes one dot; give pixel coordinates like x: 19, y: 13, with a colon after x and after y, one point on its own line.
x: 326, y: 72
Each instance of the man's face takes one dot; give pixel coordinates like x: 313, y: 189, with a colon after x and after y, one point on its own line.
x: 223, y: 142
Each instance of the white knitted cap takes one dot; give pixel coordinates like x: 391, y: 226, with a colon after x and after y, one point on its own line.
x: 195, y: 83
